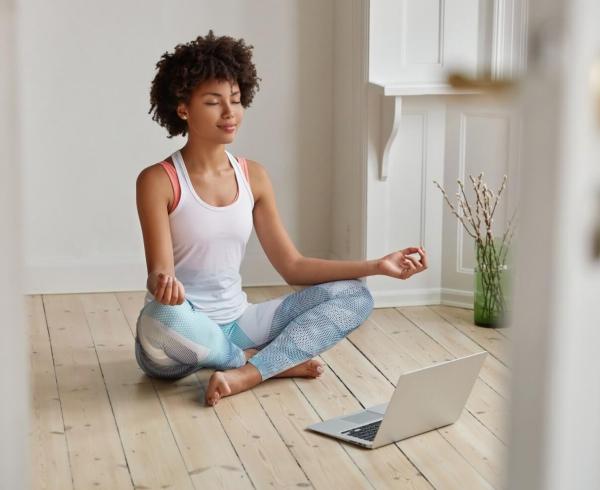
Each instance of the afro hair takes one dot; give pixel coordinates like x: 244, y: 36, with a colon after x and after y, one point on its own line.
x: 205, y: 58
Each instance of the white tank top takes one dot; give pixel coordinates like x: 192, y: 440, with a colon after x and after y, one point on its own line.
x: 209, y: 243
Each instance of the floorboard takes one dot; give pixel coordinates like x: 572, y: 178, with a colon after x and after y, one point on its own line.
x: 98, y: 422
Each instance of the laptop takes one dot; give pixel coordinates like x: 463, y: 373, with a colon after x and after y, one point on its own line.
x: 424, y: 399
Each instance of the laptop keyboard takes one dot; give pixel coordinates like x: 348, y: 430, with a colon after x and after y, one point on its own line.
x: 366, y: 432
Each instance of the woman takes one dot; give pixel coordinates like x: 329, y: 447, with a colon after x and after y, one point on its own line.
x: 196, y: 211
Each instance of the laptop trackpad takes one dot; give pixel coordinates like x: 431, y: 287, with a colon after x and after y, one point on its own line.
x: 363, y: 417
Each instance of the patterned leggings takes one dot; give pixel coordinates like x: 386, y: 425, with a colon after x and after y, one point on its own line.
x: 175, y: 341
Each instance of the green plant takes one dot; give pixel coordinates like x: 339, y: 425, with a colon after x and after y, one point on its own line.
x: 491, y: 251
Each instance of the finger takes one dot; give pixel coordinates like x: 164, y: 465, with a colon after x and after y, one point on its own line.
x: 179, y: 293
x: 411, y: 266
x: 410, y: 263
x: 405, y: 273
x: 168, y: 291
x: 424, y: 259
x: 410, y: 250
x: 417, y: 263
x: 181, y: 298
x: 175, y: 293
x: 160, y: 287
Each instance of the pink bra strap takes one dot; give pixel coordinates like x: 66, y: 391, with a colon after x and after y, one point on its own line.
x: 174, y: 183
x: 244, y: 164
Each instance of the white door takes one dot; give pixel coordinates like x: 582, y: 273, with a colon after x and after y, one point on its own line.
x: 555, y: 416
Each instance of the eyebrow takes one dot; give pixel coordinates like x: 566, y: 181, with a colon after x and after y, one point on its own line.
x: 219, y: 95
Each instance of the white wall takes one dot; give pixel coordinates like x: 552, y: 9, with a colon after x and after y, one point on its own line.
x: 348, y: 191
x: 84, y: 75
x: 14, y: 359
x: 315, y: 125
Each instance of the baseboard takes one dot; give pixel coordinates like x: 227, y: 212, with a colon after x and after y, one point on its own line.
x: 412, y: 297
x: 457, y: 297
x: 65, y: 277
x: 423, y: 297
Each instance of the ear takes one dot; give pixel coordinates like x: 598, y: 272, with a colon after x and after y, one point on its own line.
x: 182, y: 110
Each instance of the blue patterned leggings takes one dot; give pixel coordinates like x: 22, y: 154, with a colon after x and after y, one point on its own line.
x: 175, y: 341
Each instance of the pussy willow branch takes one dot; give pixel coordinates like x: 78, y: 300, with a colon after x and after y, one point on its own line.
x: 468, y: 207
x: 490, y: 259
x: 484, y: 211
x: 477, y: 204
x: 509, y: 229
x: 456, y: 214
x: 467, y: 214
x: 499, y: 193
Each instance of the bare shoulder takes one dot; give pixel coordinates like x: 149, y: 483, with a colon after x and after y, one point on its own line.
x: 259, y: 178
x: 154, y: 181
x: 256, y: 169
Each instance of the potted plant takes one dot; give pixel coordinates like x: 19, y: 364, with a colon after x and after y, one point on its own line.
x: 491, y: 274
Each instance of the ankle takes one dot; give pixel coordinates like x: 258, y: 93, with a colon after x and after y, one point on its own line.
x: 244, y: 376
x: 248, y: 353
x: 249, y: 372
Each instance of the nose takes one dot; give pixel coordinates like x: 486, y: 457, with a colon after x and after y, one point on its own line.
x: 228, y: 110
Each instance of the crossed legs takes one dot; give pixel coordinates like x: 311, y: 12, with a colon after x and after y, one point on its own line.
x: 175, y: 341
x: 305, y: 324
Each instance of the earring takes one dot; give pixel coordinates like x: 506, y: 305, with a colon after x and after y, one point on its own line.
x: 184, y: 117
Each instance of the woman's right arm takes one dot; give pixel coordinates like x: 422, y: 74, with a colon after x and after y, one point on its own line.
x: 153, y: 195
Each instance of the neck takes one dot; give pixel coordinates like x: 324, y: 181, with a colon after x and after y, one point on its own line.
x: 204, y: 157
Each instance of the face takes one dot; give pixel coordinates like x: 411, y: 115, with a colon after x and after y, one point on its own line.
x: 214, y: 112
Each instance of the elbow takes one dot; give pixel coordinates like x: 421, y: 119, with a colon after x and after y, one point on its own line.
x: 290, y: 273
x: 289, y: 277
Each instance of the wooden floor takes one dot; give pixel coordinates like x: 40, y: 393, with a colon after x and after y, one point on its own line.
x: 98, y: 422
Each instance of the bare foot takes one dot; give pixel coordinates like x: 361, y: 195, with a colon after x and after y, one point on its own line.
x: 230, y: 382
x: 313, y: 368
x: 249, y: 353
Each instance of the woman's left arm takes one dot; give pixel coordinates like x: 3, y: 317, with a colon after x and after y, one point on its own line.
x: 299, y: 270
x: 309, y: 270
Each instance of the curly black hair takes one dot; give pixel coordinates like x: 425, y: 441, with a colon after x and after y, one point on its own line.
x: 220, y: 58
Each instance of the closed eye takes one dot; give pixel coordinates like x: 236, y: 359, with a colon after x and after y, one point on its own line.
x: 216, y: 103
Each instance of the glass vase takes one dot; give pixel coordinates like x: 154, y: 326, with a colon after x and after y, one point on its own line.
x: 491, y: 284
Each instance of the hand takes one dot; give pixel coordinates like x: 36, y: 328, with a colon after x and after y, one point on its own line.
x: 400, y: 265
x: 166, y: 289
